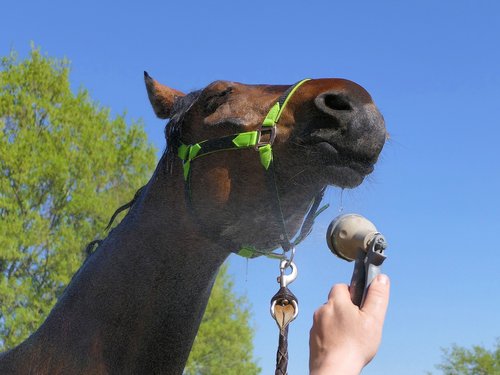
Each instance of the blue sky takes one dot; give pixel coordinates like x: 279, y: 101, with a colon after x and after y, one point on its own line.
x: 434, y: 70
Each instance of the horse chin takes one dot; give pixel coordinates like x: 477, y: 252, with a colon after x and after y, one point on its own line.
x: 328, y: 164
x: 342, y: 176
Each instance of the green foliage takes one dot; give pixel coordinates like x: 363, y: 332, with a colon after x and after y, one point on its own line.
x: 65, y: 165
x: 476, y: 361
x: 223, y: 345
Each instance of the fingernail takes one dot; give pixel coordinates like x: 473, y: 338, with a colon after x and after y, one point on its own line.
x: 383, y: 279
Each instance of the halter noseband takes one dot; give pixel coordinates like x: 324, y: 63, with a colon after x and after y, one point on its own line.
x: 261, y: 140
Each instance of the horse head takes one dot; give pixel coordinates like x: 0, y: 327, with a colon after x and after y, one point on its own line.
x: 329, y: 133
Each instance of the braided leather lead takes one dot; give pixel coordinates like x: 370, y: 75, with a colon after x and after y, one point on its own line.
x: 282, y: 353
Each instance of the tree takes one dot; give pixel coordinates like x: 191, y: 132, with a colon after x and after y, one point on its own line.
x: 476, y: 361
x: 224, y: 342
x: 65, y: 166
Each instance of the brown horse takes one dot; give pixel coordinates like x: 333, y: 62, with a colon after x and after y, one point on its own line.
x: 135, y: 305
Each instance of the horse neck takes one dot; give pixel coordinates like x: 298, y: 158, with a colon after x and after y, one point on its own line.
x: 136, y: 304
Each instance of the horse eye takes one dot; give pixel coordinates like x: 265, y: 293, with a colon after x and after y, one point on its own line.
x: 216, y: 100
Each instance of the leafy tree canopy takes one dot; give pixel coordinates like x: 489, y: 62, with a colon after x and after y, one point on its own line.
x: 65, y: 164
x: 478, y: 360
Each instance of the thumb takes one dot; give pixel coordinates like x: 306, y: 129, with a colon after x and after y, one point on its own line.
x: 377, y: 297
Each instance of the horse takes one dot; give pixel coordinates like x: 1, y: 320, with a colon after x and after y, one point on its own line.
x: 242, y: 165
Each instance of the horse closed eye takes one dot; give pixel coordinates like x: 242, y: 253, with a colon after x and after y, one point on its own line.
x: 230, y: 123
x: 216, y: 100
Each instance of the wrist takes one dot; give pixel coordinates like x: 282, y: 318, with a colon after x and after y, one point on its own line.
x: 338, y: 364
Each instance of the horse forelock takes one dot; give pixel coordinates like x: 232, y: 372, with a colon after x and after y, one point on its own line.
x: 182, y: 104
x: 173, y: 128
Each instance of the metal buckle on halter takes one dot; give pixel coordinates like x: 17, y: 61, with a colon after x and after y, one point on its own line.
x: 263, y: 130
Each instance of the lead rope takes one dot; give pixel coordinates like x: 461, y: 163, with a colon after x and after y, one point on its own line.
x: 284, y: 309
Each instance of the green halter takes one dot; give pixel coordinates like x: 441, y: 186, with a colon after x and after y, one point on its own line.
x: 238, y: 141
x: 254, y: 139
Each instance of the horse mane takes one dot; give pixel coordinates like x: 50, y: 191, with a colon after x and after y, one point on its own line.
x: 173, y: 133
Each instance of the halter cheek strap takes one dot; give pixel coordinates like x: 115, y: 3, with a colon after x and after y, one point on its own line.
x: 261, y: 140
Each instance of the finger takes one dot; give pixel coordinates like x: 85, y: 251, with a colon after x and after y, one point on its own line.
x: 377, y: 297
x: 339, y: 292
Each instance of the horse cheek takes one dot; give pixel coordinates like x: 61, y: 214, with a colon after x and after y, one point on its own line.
x: 217, y: 185
x: 221, y: 185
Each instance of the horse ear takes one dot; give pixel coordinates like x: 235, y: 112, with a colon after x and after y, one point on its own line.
x: 161, y: 97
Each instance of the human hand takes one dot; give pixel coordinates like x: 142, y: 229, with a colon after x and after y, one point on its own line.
x: 345, y: 338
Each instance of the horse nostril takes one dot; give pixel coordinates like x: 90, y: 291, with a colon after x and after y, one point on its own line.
x: 337, y: 102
